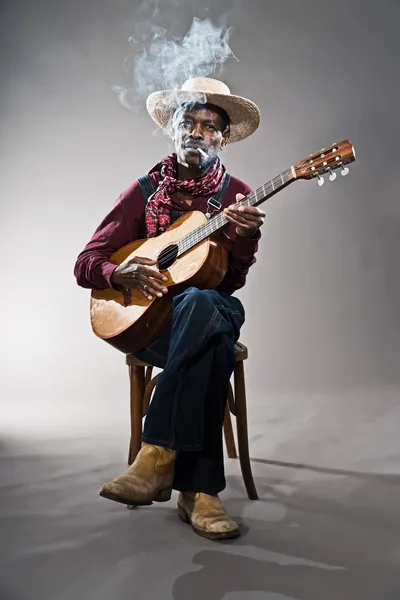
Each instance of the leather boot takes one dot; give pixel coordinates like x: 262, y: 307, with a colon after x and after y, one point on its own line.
x: 148, y: 479
x: 207, y: 516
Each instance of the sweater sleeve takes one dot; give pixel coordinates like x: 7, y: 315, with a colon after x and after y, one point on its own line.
x: 242, y: 255
x: 122, y: 225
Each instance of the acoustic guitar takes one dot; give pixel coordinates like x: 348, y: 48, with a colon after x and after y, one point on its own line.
x: 192, y: 252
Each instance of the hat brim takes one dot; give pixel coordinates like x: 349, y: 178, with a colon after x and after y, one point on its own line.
x: 243, y: 113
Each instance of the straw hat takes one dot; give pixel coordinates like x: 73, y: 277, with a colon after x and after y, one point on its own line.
x: 243, y: 113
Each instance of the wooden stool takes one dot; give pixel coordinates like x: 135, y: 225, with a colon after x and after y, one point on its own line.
x: 141, y: 388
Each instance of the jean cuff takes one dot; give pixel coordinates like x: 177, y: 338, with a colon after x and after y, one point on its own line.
x: 168, y: 444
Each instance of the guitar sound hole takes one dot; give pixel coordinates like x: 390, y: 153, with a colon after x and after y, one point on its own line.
x: 167, y: 257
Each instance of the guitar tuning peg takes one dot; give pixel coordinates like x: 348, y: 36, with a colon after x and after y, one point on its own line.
x: 332, y: 175
x: 344, y: 171
x: 320, y: 180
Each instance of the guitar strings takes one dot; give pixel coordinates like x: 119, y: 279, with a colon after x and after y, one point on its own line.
x: 250, y: 200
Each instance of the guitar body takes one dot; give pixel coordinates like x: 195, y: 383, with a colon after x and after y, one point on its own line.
x: 129, y: 321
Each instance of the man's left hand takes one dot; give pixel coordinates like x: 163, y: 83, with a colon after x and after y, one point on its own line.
x: 248, y: 219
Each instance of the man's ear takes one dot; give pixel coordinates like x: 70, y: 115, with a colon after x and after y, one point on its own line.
x: 225, y: 136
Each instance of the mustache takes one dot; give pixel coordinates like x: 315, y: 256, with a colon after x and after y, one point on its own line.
x: 193, y: 145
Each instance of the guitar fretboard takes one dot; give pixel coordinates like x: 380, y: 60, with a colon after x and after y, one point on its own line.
x: 255, y: 198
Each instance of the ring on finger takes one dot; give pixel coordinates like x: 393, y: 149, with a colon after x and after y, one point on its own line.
x: 145, y: 287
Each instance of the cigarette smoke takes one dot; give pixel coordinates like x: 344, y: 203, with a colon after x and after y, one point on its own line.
x: 160, y: 60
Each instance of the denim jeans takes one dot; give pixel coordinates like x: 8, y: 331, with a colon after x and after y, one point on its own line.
x: 197, y: 355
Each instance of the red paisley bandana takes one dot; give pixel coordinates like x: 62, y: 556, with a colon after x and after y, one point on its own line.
x: 158, y: 208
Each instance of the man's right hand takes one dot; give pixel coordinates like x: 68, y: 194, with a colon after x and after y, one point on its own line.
x: 135, y: 274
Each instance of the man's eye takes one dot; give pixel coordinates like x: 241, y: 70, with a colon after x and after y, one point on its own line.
x: 211, y: 127
x: 186, y: 123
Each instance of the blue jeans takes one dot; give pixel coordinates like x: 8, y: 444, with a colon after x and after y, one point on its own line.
x: 197, y: 355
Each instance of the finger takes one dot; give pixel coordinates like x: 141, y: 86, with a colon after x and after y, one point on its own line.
x: 150, y: 291
x: 248, y: 210
x: 152, y: 285
x: 145, y: 293
x: 250, y: 220
x: 152, y: 273
x: 251, y: 210
x: 141, y: 260
x: 238, y: 223
x: 239, y: 197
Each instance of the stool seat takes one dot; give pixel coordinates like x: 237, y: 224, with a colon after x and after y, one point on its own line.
x: 142, y: 384
x: 241, y: 353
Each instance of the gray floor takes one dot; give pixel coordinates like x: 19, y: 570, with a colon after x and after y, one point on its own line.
x: 326, y: 527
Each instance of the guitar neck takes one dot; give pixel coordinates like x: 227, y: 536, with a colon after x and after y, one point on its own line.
x: 255, y: 198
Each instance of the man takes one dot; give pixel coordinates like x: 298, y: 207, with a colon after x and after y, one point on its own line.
x: 182, y: 438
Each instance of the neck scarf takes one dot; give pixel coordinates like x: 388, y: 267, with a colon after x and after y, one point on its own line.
x: 158, y: 208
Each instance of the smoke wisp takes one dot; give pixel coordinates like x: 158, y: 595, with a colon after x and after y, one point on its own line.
x: 158, y: 60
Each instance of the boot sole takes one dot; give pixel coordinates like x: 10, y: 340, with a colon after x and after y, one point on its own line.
x: 161, y: 496
x: 228, y: 535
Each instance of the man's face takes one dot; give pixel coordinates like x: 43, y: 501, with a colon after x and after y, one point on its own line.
x: 199, y: 132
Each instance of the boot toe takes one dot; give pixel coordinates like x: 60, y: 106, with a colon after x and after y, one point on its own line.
x: 127, y: 493
x: 222, y: 526
x: 112, y: 489
x: 207, y: 516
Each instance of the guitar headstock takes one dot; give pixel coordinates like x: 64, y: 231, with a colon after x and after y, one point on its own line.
x: 326, y: 161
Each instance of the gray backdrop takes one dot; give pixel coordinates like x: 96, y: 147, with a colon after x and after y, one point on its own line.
x: 322, y: 307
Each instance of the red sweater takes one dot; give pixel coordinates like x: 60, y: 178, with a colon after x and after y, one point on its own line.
x: 125, y: 223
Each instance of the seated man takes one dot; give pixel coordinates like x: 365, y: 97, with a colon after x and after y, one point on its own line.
x: 182, y: 438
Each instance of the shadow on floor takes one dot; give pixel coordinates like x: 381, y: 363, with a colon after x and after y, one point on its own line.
x: 335, y: 538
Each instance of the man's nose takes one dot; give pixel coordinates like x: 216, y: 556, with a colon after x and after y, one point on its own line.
x: 197, y: 131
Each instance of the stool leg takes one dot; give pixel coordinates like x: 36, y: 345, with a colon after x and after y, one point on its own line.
x: 241, y: 423
x: 136, y: 375
x: 228, y: 431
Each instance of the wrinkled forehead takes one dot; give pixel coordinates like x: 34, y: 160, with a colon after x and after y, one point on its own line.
x: 209, y: 111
